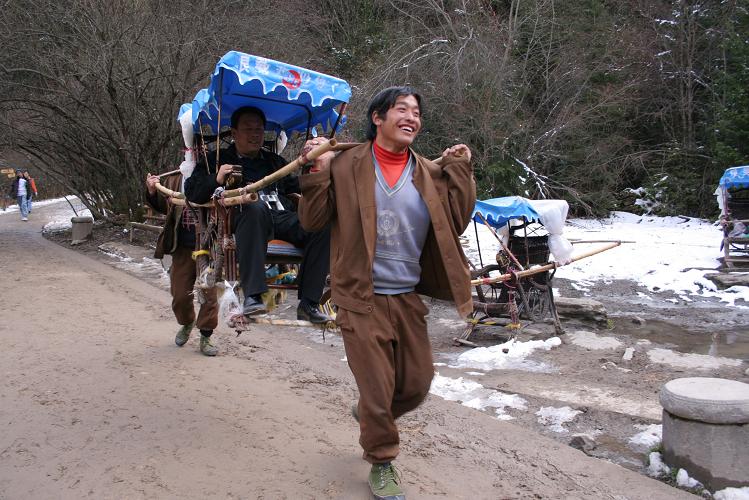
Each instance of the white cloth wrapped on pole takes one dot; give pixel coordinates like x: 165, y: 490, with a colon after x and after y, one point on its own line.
x: 553, y: 214
x: 188, y: 165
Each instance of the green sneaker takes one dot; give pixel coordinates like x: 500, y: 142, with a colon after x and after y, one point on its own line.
x: 384, y: 481
x: 206, y: 347
x: 183, y: 334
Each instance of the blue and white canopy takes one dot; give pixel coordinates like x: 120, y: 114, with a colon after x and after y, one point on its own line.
x: 735, y: 177
x: 497, y: 211
x: 552, y: 214
x: 292, y: 98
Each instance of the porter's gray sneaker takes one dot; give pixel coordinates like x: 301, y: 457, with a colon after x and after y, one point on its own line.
x: 183, y: 334
x: 206, y: 347
x: 384, y: 481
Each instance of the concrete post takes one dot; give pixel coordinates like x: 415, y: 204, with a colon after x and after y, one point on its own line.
x: 706, y: 430
x: 81, y: 230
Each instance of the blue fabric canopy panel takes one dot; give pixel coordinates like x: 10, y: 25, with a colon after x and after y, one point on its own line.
x: 498, y: 211
x: 293, y: 99
x: 735, y: 178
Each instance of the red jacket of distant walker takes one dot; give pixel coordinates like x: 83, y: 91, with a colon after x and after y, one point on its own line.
x: 344, y: 196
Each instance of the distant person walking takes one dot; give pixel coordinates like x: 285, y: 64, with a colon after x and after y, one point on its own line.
x: 20, y: 189
x: 31, y: 190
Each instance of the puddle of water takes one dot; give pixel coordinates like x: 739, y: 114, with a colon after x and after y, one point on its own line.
x: 611, y: 449
x: 731, y: 343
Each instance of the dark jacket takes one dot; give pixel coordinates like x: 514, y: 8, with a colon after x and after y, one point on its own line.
x: 14, y: 187
x: 200, y: 186
x: 344, y: 196
x: 173, y: 234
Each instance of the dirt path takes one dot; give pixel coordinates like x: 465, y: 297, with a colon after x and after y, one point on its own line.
x: 97, y: 402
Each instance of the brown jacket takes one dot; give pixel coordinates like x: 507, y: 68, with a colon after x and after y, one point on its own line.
x: 344, y: 195
x: 167, y: 241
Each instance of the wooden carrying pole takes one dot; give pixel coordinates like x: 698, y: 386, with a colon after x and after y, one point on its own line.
x: 176, y: 170
x: 331, y: 145
x: 544, y: 268
x: 289, y: 168
x: 248, y: 193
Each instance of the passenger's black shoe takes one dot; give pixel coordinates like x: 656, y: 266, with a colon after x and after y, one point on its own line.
x: 310, y: 312
x: 253, y: 305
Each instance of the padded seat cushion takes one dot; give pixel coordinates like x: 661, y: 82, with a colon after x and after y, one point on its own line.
x: 283, y: 248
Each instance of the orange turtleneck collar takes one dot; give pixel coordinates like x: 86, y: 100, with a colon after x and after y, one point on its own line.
x: 391, y: 164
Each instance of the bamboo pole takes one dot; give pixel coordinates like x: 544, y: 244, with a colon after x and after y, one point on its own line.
x: 544, y: 268
x: 181, y: 202
x: 577, y: 242
x: 243, y: 323
x: 275, y: 176
x: 168, y: 192
x: 247, y: 194
x: 237, y: 199
x: 167, y: 173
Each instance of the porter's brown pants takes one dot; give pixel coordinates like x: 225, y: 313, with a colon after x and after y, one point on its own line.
x: 182, y: 276
x: 390, y: 356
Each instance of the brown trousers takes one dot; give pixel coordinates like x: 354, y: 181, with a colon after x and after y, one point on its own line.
x: 390, y: 356
x: 182, y: 276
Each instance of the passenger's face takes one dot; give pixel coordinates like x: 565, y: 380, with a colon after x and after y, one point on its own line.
x: 249, y: 134
x: 400, y: 125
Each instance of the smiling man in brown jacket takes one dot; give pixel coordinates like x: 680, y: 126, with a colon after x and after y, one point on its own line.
x: 395, y: 220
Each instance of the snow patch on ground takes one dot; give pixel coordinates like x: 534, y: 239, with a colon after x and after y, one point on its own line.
x: 648, y: 437
x: 511, y: 355
x: 58, y: 225
x: 586, y: 395
x: 146, y: 266
x: 656, y: 466
x: 690, y: 360
x: 474, y: 395
x: 665, y: 254
x: 589, y: 340
x: 35, y: 204
x: 555, y: 418
x: 732, y: 494
x: 683, y: 480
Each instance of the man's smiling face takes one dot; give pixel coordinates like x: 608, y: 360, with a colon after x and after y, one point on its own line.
x: 249, y: 134
x: 400, y: 125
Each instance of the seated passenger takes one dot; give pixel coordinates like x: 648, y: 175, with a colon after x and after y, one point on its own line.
x: 255, y: 223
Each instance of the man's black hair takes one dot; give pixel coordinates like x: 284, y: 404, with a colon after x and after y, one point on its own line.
x: 246, y: 110
x: 385, y: 100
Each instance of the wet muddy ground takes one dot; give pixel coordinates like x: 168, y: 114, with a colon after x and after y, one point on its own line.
x: 611, y: 404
